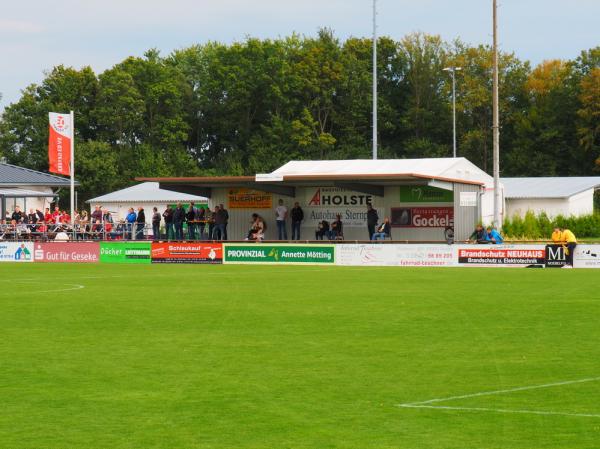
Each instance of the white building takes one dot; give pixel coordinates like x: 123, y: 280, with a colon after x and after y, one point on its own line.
x: 146, y: 195
x: 422, y: 197
x: 28, y: 189
x: 554, y: 196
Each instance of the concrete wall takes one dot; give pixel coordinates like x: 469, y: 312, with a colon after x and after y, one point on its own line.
x: 580, y: 204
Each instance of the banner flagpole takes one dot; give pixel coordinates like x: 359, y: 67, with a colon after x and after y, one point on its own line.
x: 72, y: 169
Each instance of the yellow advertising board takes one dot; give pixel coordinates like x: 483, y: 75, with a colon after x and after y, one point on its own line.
x: 249, y: 199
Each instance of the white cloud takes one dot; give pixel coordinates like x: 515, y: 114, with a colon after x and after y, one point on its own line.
x: 19, y: 26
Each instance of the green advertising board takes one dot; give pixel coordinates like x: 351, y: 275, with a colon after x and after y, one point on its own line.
x: 425, y: 194
x: 125, y: 252
x: 265, y: 253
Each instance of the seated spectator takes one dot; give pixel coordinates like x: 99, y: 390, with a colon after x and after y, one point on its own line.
x: 493, y: 236
x: 322, y: 230
x: 479, y: 236
x: 97, y: 230
x: 257, y: 229
x: 17, y: 215
x: 567, y: 239
x: 41, y: 229
x: 383, y: 231
x: 337, y: 229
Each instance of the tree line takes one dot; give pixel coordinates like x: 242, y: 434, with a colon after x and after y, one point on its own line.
x: 251, y: 106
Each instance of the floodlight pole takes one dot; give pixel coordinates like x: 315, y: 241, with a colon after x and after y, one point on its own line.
x: 453, y: 70
x: 496, y: 123
x: 374, y: 79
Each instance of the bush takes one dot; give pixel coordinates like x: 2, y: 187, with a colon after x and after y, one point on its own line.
x: 534, y: 227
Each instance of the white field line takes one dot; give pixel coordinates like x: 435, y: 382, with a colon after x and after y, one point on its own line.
x: 204, y: 274
x: 426, y: 404
x: 73, y: 287
x: 499, y: 410
x: 69, y: 288
x: 508, y: 390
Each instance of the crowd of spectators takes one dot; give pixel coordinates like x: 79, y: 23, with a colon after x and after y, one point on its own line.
x: 189, y: 222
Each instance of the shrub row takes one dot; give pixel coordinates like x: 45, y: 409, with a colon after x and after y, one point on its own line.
x: 533, y: 227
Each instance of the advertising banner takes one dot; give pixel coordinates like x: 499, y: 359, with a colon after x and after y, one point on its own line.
x: 586, y: 256
x: 187, y: 253
x: 125, y: 252
x: 325, y: 203
x: 555, y: 256
x: 501, y: 255
x: 59, y: 143
x: 468, y: 199
x: 395, y: 255
x: 249, y: 199
x: 80, y: 252
x: 425, y: 194
x: 275, y: 254
x: 423, y: 217
x: 16, y: 252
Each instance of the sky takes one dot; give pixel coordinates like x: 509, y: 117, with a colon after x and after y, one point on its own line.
x: 37, y: 35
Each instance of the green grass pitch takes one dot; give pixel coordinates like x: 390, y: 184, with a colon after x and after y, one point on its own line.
x: 182, y: 356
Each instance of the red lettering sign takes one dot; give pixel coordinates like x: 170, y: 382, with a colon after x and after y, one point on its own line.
x: 79, y: 252
x: 423, y: 217
x: 187, y: 252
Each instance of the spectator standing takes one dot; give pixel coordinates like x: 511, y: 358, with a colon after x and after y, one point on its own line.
x: 56, y: 215
x: 131, y: 218
x: 209, y: 216
x: 48, y: 216
x: 107, y: 222
x: 372, y: 219
x: 220, y: 217
x: 281, y: 213
x: 178, y: 219
x: 168, y: 216
x: 141, y: 224
x: 200, y: 221
x: 225, y: 217
x: 190, y: 218
x: 97, y: 214
x: 297, y: 215
x: 155, y: 224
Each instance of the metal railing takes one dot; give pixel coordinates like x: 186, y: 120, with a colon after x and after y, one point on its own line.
x: 107, y: 231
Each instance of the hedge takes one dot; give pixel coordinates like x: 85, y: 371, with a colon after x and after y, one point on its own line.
x: 534, y: 227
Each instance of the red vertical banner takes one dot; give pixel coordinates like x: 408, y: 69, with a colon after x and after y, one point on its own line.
x: 59, y: 143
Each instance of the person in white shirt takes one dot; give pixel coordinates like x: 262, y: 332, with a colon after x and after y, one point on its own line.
x: 281, y: 213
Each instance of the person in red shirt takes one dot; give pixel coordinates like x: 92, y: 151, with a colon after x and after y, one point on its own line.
x: 56, y: 215
x: 48, y: 216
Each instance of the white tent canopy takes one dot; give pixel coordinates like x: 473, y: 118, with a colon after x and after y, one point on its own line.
x: 147, y: 195
x: 146, y: 192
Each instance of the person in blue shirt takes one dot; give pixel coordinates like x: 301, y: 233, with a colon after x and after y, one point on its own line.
x: 493, y: 236
x: 131, y: 217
